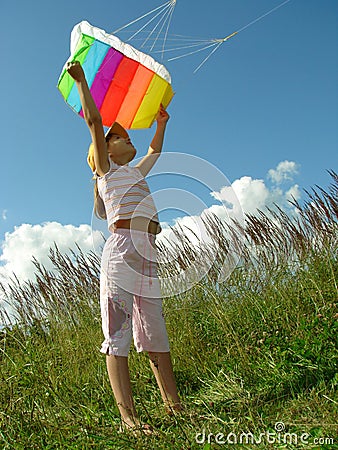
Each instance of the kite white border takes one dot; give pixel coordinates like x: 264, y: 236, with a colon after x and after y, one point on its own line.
x: 86, y: 28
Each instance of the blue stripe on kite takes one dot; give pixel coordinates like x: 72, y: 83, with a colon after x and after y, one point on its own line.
x: 91, y: 65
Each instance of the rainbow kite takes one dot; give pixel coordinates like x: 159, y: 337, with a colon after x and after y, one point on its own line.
x: 127, y: 85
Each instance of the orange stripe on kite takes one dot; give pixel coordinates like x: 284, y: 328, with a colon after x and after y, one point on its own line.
x: 135, y: 95
x: 118, y: 90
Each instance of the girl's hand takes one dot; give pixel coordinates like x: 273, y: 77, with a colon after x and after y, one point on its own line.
x: 162, y: 116
x: 75, y: 70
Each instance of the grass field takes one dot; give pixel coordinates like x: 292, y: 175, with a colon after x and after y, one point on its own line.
x: 255, y: 357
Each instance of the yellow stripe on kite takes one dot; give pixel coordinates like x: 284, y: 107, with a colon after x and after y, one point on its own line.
x: 146, y: 113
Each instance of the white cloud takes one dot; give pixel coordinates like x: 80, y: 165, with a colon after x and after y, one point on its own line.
x: 254, y: 194
x: 28, y: 241
x: 293, y: 193
x: 246, y: 195
x: 4, y: 214
x: 284, y: 171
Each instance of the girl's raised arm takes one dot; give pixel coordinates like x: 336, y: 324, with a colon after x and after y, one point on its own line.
x: 92, y: 117
x: 156, y: 145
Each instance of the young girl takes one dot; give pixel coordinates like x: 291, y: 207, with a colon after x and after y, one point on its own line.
x: 130, y: 296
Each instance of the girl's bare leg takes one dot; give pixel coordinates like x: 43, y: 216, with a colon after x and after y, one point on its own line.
x: 163, y: 370
x: 119, y: 378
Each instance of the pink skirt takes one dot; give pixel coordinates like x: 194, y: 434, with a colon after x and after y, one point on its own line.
x: 130, y: 295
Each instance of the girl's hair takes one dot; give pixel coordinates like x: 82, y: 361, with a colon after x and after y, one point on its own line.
x: 99, y: 208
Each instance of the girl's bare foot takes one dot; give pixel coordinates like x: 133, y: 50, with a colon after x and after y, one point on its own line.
x: 173, y: 408
x: 136, y: 429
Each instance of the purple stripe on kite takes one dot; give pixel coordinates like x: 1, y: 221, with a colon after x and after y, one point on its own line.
x: 105, y: 75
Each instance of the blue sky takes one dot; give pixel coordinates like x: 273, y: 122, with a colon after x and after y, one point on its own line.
x: 268, y: 95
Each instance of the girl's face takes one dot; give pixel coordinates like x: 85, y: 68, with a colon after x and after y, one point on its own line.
x: 120, y: 149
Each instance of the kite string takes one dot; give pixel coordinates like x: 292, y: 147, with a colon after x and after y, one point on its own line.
x: 162, y: 18
x: 166, y: 18
x: 143, y: 16
x: 263, y: 15
x: 206, y: 59
x: 221, y: 41
x: 206, y: 43
x: 151, y: 20
x: 196, y: 51
x: 168, y: 25
x: 166, y: 11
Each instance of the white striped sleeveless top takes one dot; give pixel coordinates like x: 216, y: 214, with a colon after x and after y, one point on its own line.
x: 126, y: 195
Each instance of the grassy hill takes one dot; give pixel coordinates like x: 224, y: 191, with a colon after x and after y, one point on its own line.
x: 255, y: 357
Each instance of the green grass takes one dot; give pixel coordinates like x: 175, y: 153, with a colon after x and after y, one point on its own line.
x: 256, y: 350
